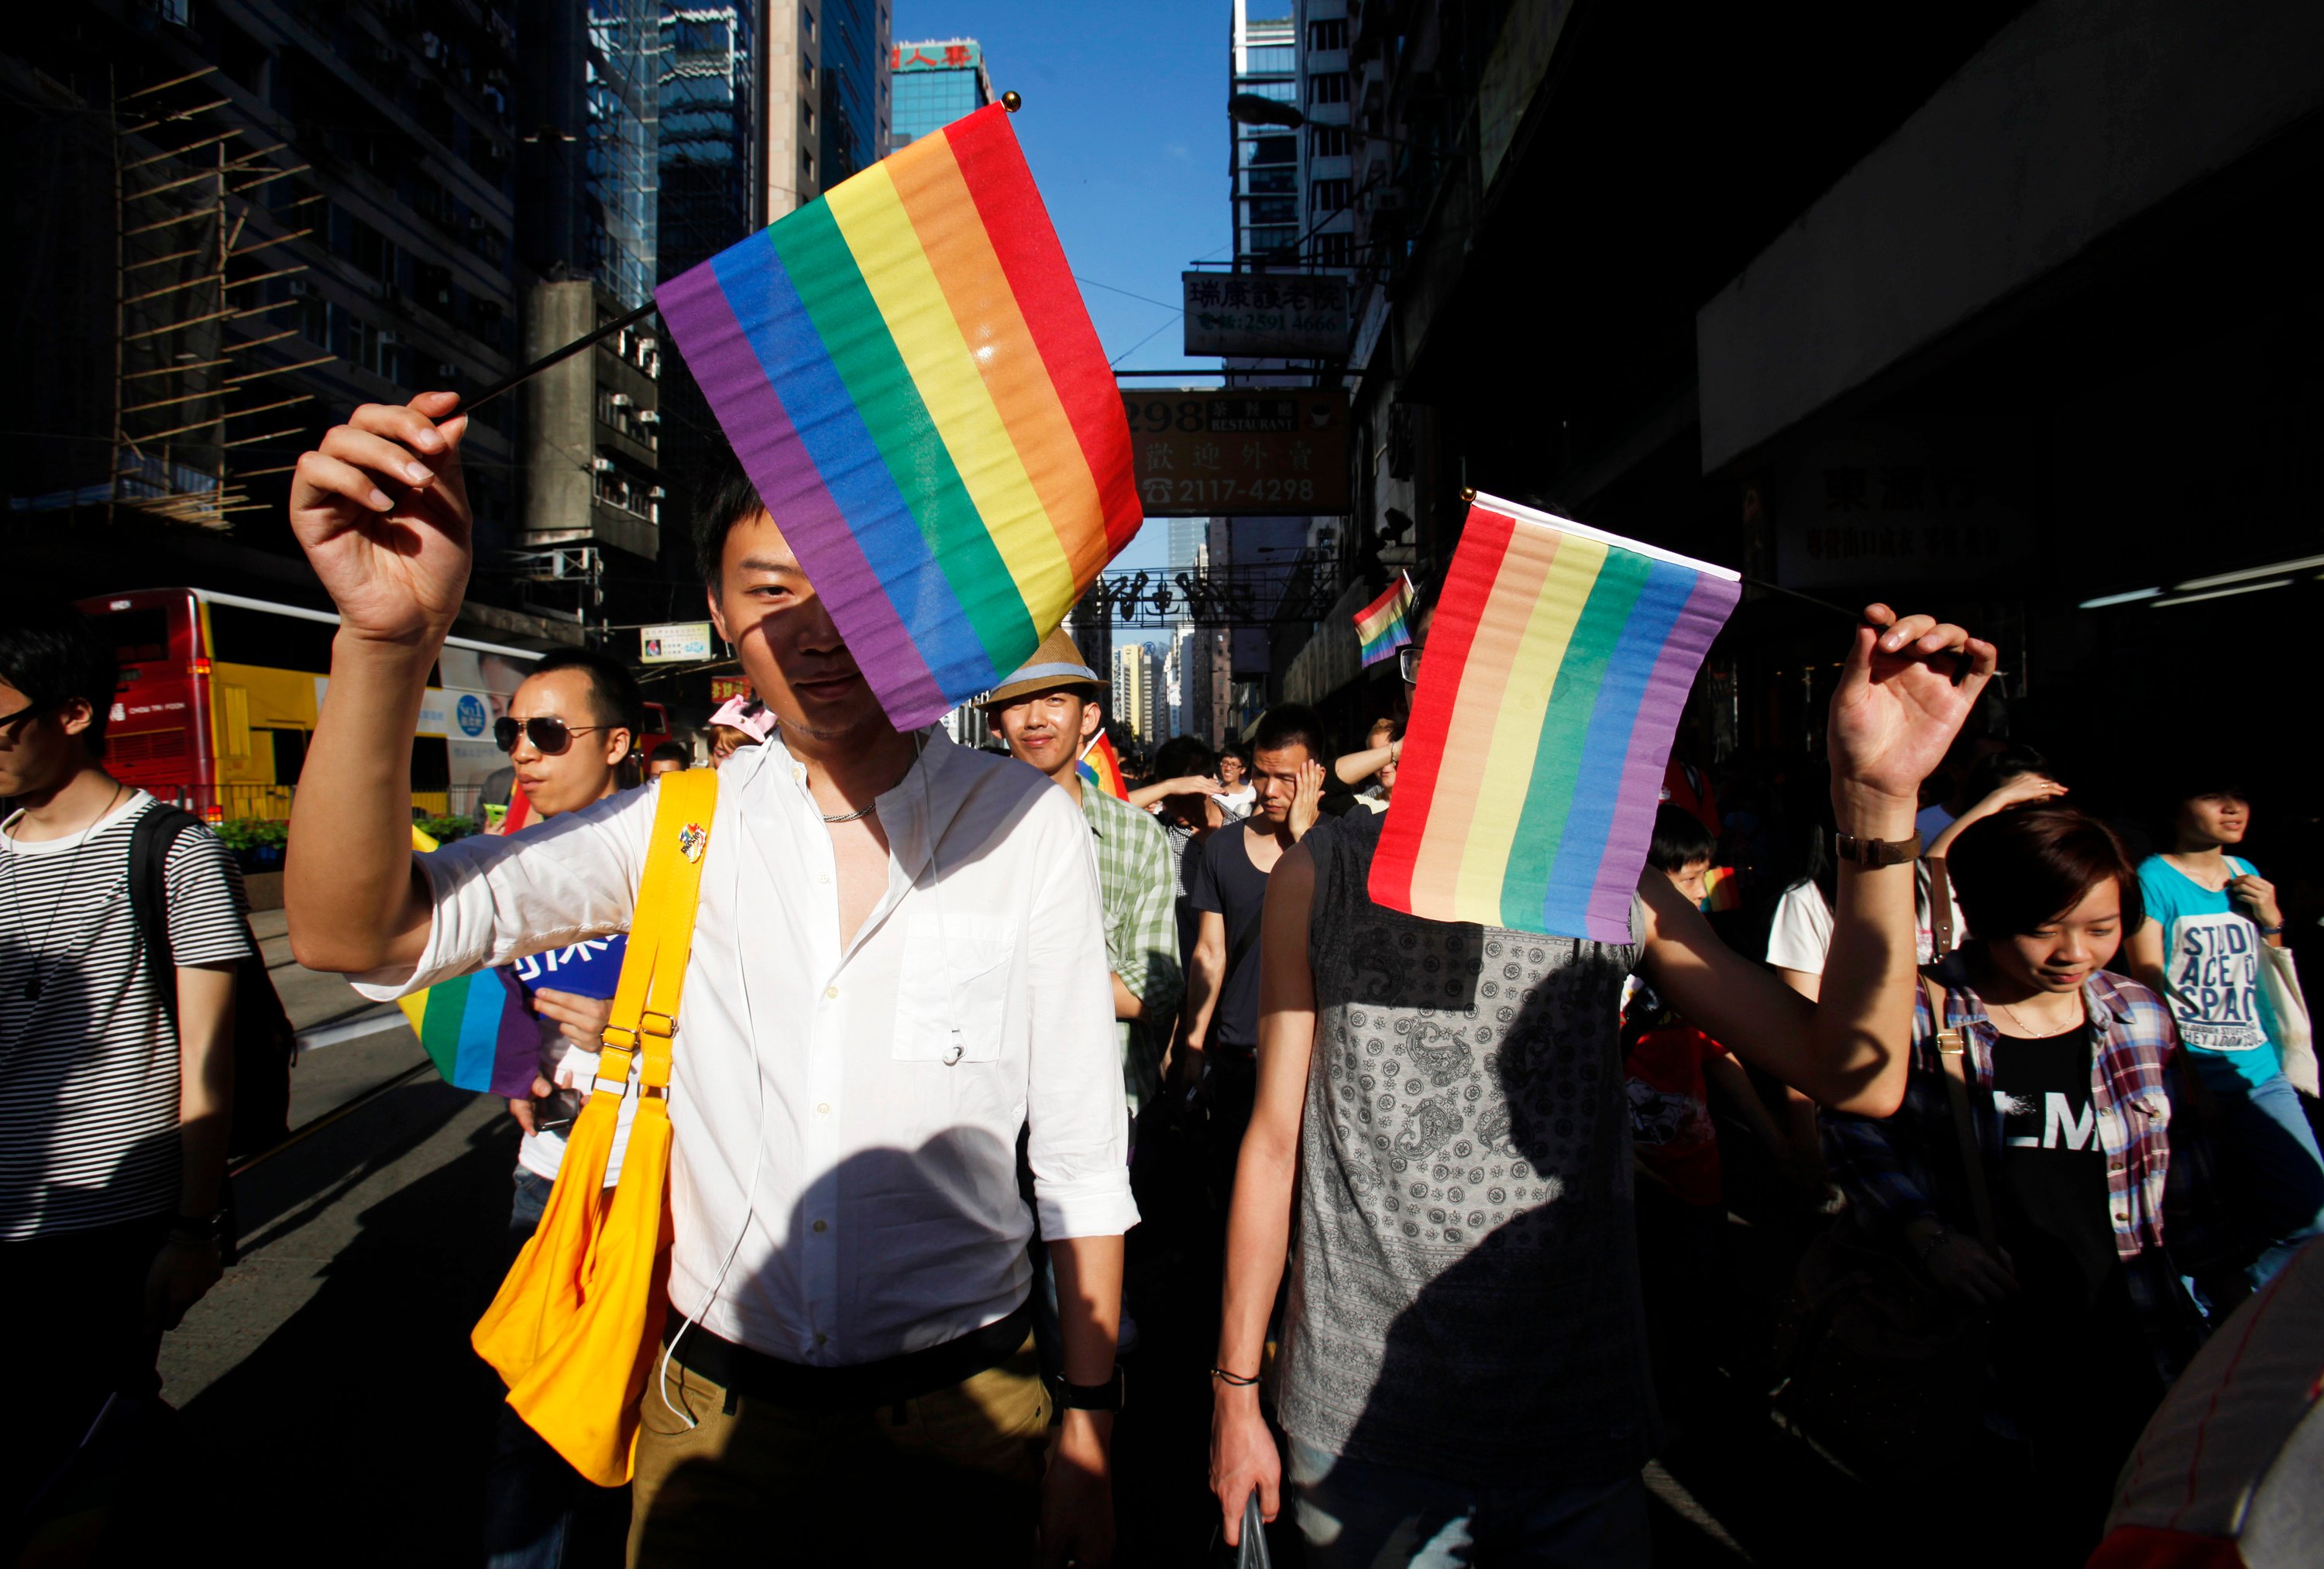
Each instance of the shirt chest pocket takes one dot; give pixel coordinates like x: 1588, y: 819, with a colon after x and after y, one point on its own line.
x: 951, y: 996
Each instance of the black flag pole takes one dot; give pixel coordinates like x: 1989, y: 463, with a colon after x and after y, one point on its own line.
x: 556, y: 357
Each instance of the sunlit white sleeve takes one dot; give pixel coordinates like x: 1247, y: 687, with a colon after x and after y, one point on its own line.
x: 496, y: 899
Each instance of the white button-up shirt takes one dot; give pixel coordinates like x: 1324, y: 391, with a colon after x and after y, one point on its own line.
x: 845, y: 1118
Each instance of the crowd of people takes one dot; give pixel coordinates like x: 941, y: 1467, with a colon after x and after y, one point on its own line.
x: 1923, y: 1112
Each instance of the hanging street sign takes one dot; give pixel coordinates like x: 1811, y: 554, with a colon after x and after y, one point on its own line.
x: 1220, y: 453
x: 1291, y: 316
x: 675, y: 643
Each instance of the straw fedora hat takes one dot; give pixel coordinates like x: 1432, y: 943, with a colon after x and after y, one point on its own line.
x: 1056, y: 663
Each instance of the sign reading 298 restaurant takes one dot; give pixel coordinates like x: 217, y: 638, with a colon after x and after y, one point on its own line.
x: 1262, y: 450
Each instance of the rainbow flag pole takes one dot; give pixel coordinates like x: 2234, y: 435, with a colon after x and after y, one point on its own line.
x: 1558, y: 662
x: 905, y: 368
x: 1381, y: 626
x: 1101, y: 766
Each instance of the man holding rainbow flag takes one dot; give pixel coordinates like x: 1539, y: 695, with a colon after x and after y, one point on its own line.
x: 896, y: 963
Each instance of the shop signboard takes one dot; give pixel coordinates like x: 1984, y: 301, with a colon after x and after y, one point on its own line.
x: 1290, y: 315
x: 1270, y: 451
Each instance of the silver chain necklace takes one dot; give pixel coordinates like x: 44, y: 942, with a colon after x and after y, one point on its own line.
x: 34, y: 984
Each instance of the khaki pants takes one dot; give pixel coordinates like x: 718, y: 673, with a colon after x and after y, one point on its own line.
x: 951, y: 1478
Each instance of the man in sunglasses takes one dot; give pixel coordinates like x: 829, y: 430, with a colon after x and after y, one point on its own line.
x: 570, y: 728
x: 898, y: 967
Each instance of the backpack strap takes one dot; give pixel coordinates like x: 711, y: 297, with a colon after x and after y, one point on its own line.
x: 661, y: 936
x: 1952, y: 1047
x: 151, y: 839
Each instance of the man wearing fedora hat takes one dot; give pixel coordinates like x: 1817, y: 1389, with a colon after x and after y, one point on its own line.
x: 1049, y: 711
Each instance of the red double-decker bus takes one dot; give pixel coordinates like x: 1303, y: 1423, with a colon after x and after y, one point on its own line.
x: 218, y: 695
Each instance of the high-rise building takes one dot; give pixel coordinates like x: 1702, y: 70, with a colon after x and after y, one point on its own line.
x: 1137, y: 692
x: 348, y: 171
x: 712, y: 154
x: 1266, y: 165
x: 936, y: 82
x: 588, y: 224
x: 714, y: 190
x: 1327, y: 217
x: 827, y: 89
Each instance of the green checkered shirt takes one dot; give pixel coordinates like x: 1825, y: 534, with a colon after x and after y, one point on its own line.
x: 1138, y: 888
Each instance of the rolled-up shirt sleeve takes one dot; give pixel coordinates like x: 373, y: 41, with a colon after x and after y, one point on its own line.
x: 1077, y: 1120
x: 496, y: 899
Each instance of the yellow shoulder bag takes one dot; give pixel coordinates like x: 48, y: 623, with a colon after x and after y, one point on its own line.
x: 576, y: 1327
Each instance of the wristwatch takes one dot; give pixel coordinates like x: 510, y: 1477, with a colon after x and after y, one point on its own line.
x: 1104, y: 1396
x: 1875, y: 852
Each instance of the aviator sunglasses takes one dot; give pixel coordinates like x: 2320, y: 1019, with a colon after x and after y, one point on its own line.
x: 550, y: 736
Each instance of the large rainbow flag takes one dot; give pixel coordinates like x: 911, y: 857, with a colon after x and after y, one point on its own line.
x: 1558, y: 661
x: 1380, y: 625
x: 905, y: 368
x: 476, y: 1028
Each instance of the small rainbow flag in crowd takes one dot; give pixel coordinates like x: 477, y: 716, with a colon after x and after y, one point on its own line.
x: 1722, y: 890
x: 1101, y: 766
x: 476, y: 1028
x: 1380, y: 625
x: 1558, y: 661
x: 906, y: 370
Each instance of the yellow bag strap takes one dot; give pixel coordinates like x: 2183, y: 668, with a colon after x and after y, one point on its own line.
x: 661, y: 935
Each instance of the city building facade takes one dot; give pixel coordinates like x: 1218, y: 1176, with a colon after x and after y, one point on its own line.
x: 1845, y: 346
x: 828, y: 96
x: 936, y: 81
x: 357, y: 173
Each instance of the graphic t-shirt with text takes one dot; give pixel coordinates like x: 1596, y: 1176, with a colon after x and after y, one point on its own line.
x: 2052, y: 1202
x: 2210, y: 961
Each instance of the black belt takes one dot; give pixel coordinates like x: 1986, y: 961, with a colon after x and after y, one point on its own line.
x: 867, y: 1384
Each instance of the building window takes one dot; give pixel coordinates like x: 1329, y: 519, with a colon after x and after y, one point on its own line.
x: 806, y: 25
x: 1274, y: 209
x: 1333, y: 250
x: 808, y: 110
x: 1330, y: 88
x: 1331, y: 35
x: 1328, y: 195
x: 1263, y: 241
x: 1271, y: 150
x: 1327, y: 141
x: 1271, y: 182
x: 1272, y: 58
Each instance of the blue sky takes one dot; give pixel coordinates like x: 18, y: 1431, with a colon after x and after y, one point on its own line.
x: 1125, y: 127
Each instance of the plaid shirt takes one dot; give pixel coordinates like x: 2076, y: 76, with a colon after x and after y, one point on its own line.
x: 1899, y: 1170
x: 1137, y: 883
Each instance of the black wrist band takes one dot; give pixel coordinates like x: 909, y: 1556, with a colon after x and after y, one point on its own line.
x: 1104, y: 1396
x: 1233, y: 1381
x: 195, y: 1227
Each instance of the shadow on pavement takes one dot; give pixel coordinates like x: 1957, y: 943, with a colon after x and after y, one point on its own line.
x: 361, y: 1430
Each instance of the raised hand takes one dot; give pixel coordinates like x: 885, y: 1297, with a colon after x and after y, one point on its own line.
x: 381, y: 512
x: 1907, y: 686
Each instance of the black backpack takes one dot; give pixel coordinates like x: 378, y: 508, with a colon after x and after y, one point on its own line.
x: 265, y: 1044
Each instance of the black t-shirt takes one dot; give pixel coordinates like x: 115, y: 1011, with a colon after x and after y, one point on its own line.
x: 1220, y: 879
x: 2051, y: 1208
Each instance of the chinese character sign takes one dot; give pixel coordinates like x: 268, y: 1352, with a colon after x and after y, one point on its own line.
x: 1295, y: 316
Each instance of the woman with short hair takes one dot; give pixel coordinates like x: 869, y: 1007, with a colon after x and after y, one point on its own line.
x: 2064, y: 1069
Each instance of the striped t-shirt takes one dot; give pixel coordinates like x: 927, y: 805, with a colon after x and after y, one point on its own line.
x: 88, y: 1060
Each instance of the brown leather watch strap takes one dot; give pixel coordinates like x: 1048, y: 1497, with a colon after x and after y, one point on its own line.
x: 1875, y: 852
